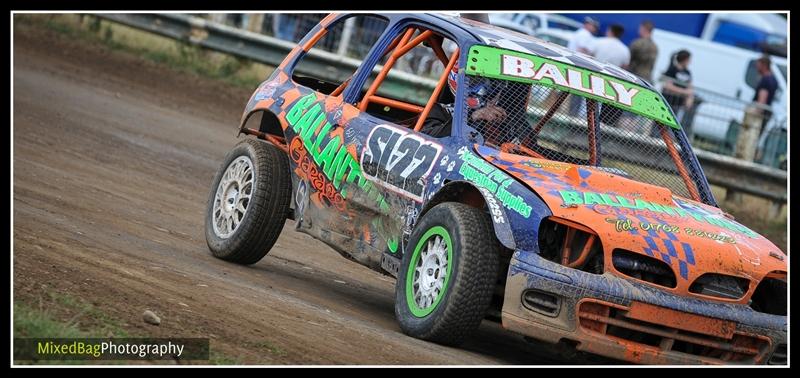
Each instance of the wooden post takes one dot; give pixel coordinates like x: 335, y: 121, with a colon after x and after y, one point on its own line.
x: 218, y: 17
x: 775, y: 209
x: 733, y: 196
x: 747, y: 141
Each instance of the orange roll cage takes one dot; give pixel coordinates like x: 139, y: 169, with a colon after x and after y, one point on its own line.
x: 673, y: 153
x: 591, y: 107
x: 400, y: 46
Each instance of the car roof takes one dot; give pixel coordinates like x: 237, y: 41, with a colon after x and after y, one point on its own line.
x: 508, y: 39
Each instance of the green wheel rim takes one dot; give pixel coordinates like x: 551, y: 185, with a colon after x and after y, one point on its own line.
x: 429, y: 271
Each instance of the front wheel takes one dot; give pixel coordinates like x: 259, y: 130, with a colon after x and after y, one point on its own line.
x: 248, y: 203
x: 447, y: 277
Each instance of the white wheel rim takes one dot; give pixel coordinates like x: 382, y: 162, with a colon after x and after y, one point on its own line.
x: 430, y: 272
x: 232, y: 198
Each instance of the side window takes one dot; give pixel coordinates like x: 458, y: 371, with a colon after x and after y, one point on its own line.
x: 425, y: 57
x: 531, y: 22
x: 350, y: 37
x: 783, y: 69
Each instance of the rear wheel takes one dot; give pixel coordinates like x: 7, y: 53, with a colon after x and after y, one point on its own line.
x: 446, y: 279
x: 248, y: 203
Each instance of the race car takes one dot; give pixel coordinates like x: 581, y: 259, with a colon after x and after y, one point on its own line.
x: 531, y: 182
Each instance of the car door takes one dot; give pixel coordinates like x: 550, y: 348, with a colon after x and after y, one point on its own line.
x: 320, y: 130
x: 396, y: 162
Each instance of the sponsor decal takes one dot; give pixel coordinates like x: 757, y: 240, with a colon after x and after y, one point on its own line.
x: 709, y: 235
x: 517, y: 66
x: 485, y: 175
x: 399, y: 160
x: 545, y: 164
x: 301, y: 197
x: 325, y: 148
x: 572, y: 78
x: 324, y: 188
x: 494, y: 207
x: 267, y: 90
x: 572, y: 198
x: 627, y: 225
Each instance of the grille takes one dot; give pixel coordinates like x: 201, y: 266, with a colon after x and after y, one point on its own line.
x: 647, y: 326
x: 771, y: 296
x: 720, y: 285
x: 548, y: 123
x: 778, y: 356
x: 643, y: 268
x: 571, y: 245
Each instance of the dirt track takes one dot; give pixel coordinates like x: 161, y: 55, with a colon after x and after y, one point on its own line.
x: 113, y: 157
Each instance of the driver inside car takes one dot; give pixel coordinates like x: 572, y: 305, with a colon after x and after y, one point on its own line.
x: 496, y: 109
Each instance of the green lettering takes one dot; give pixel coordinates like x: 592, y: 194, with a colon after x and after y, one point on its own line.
x: 591, y: 198
x: 340, y: 164
x: 609, y: 201
x: 694, y: 215
x: 320, y: 136
x: 571, y: 197
x: 327, y: 157
x: 624, y: 202
x: 643, y: 205
x: 662, y: 209
x: 302, y: 126
x: 681, y: 211
x: 299, y: 107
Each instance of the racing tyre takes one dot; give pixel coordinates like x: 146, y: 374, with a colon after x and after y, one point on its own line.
x: 447, y: 275
x: 248, y: 203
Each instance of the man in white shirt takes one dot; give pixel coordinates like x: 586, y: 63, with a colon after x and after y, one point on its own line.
x: 610, y: 49
x: 583, y: 40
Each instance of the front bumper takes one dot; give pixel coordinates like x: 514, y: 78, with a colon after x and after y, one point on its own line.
x: 622, y: 319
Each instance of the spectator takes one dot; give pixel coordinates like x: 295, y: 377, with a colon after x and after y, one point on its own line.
x: 766, y: 88
x: 677, y: 84
x: 583, y: 40
x: 284, y: 26
x: 610, y: 49
x: 644, y: 52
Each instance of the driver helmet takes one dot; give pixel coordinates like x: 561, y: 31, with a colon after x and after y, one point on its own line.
x: 480, y: 89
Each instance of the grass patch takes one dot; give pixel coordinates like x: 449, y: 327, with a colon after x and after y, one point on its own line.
x: 61, y: 315
x: 31, y: 322
x: 216, y: 358
x: 178, y: 55
x: 271, y: 348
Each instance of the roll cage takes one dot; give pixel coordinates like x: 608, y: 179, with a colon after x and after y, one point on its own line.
x: 405, y: 33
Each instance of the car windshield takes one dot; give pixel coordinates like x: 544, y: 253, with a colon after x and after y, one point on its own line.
x: 545, y: 122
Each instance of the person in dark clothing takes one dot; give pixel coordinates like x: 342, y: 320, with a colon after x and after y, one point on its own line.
x: 677, y: 84
x: 765, y: 89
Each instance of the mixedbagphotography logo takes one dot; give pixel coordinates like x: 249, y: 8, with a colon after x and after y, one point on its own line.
x: 42, y: 349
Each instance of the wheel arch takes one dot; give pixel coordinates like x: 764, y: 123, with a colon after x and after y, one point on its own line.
x: 467, y: 193
x: 267, y: 122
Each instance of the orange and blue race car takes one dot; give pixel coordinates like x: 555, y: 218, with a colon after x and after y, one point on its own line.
x: 531, y: 182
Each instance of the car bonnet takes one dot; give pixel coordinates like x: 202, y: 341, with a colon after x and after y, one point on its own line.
x: 692, y: 237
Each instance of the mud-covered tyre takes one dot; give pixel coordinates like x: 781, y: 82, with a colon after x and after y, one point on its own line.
x: 464, y: 236
x: 248, y: 203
